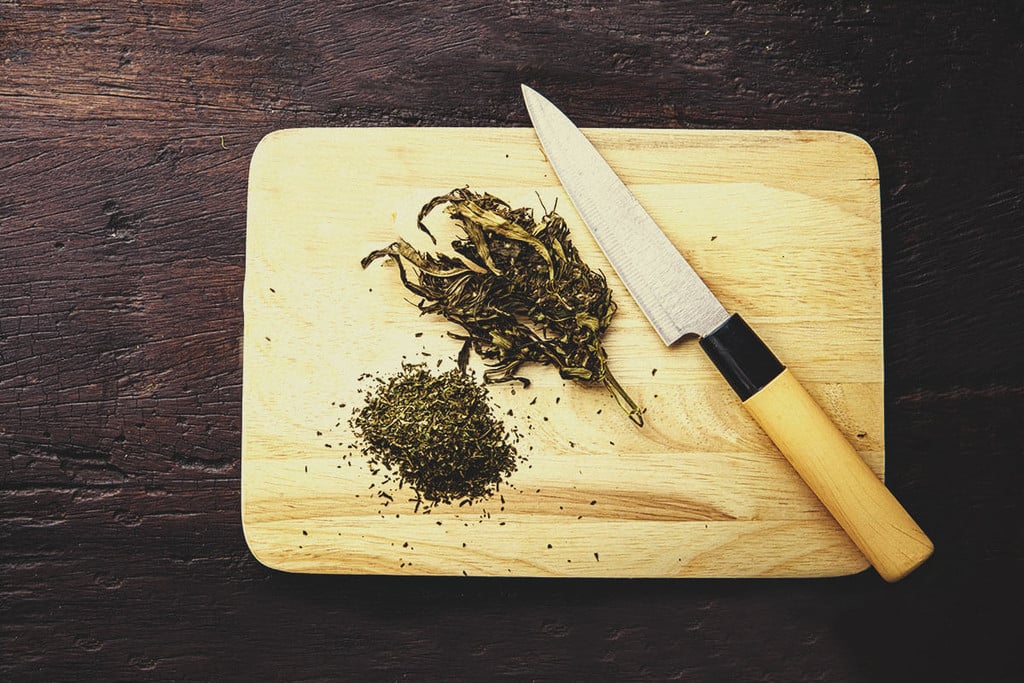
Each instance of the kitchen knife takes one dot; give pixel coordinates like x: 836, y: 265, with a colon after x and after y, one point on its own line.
x: 678, y: 303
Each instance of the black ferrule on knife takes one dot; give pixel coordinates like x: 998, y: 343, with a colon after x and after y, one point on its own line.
x: 742, y: 358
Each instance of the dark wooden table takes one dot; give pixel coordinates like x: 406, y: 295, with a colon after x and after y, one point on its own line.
x: 126, y: 131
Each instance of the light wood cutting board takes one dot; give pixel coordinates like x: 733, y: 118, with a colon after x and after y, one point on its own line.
x: 783, y: 226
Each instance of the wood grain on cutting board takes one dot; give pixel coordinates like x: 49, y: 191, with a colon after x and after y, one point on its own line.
x: 783, y: 226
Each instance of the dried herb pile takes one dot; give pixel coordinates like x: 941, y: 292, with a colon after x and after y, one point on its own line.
x: 519, y: 290
x: 435, y: 432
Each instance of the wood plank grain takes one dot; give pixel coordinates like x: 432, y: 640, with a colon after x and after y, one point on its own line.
x: 315, y: 322
x: 120, y: 427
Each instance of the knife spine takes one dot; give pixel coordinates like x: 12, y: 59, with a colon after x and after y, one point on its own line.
x: 746, y: 362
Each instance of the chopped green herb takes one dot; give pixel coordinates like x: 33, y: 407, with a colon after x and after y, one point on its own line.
x: 436, y: 433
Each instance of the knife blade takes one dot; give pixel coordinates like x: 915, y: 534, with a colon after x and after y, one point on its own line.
x: 677, y: 303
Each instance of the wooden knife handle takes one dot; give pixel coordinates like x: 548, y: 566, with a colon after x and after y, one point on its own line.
x: 883, y: 530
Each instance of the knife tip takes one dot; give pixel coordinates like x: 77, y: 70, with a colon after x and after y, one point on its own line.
x: 532, y: 98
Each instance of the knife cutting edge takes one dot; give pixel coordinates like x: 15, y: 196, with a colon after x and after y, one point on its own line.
x: 678, y: 303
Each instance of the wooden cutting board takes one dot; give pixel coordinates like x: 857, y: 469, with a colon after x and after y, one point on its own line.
x: 783, y: 226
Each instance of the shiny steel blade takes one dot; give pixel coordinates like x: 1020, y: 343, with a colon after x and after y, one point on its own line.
x: 670, y: 293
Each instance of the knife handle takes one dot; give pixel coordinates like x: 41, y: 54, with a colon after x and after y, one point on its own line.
x: 876, y: 522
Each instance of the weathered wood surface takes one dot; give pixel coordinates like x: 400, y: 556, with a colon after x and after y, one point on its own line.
x: 125, y: 135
